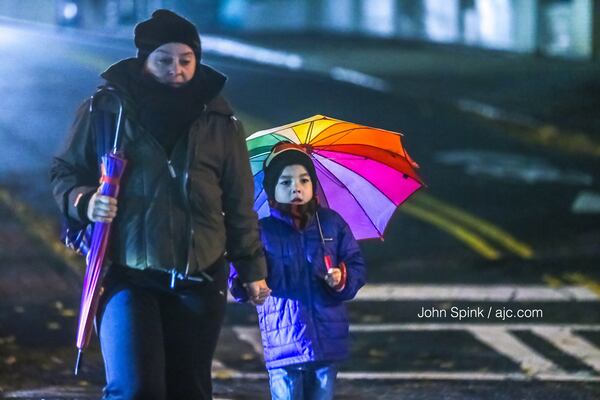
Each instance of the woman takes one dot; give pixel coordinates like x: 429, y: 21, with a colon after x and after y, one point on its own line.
x: 185, y: 206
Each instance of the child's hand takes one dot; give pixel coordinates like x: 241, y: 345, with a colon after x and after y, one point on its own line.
x: 333, y: 277
x: 336, y: 277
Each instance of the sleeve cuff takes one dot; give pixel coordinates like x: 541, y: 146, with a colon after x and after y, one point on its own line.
x: 79, y: 199
x: 252, y: 270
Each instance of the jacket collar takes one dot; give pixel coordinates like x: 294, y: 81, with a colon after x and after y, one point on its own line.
x: 289, y: 220
x: 125, y: 76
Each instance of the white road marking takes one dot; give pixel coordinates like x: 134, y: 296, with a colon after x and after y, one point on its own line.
x: 250, y: 335
x: 464, y: 376
x: 63, y: 392
x: 262, y: 55
x: 565, y: 340
x: 359, y: 79
x: 491, y: 293
x: 512, y: 167
x: 495, y: 293
x: 495, y: 113
x: 586, y: 202
x: 503, y: 342
x: 464, y: 327
x: 435, y: 376
x: 497, y: 336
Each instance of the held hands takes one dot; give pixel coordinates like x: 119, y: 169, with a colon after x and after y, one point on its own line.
x: 102, y: 208
x: 258, y: 291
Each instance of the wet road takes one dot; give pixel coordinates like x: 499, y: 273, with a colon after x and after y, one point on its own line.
x: 493, y: 232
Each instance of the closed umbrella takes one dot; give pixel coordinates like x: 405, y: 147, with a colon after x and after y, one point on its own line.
x: 113, y: 166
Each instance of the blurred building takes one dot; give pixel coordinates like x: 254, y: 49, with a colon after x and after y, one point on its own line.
x: 551, y: 27
x: 556, y: 28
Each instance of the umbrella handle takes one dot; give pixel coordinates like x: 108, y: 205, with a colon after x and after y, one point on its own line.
x: 110, y: 91
x: 118, y: 125
x: 328, y: 262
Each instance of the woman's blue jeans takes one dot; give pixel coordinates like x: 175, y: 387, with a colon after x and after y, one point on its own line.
x: 308, y: 381
x: 157, y: 342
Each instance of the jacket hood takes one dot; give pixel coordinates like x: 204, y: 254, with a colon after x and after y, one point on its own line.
x: 127, y: 75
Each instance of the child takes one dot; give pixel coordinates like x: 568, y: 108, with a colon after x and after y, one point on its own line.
x: 304, y: 325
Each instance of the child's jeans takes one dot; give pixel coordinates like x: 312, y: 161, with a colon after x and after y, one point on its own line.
x: 308, y: 381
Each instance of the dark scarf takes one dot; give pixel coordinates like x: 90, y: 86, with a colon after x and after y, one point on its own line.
x: 165, y: 112
x: 168, y: 112
x: 301, y: 214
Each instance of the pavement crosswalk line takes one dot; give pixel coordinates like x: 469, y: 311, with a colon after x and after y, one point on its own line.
x: 495, y: 293
x: 496, y: 336
x: 503, y: 342
x: 465, y: 376
x: 250, y: 335
x: 436, y: 376
x: 490, y: 293
x: 412, y: 327
x: 565, y: 340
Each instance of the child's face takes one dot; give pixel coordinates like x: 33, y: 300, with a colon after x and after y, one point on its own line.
x: 294, y: 185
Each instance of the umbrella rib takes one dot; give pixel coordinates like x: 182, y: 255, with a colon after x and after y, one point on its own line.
x: 369, y: 181
x: 277, y: 137
x: 349, y: 130
x: 395, y: 155
x: 310, y: 129
x: 325, y: 148
x: 351, y: 194
x: 258, y: 196
x: 345, y: 133
x: 259, y: 155
x: 348, y: 190
x: 324, y: 194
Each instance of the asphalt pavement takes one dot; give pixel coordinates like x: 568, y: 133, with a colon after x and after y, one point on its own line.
x: 534, y: 91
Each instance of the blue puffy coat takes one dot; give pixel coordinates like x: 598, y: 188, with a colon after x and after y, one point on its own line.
x: 304, y: 319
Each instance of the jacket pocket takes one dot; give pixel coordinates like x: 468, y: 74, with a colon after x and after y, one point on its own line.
x: 284, y: 270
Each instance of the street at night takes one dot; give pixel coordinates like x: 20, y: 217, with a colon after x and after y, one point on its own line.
x: 486, y: 285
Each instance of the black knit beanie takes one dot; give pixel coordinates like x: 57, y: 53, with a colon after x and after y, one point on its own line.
x: 165, y: 27
x: 282, y: 155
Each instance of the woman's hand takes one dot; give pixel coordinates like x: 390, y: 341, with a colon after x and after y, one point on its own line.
x: 258, y: 291
x: 102, y: 208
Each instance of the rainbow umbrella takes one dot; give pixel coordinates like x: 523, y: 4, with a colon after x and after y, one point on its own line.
x: 364, y: 173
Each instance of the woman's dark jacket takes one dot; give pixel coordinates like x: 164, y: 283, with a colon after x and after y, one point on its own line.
x: 184, y: 210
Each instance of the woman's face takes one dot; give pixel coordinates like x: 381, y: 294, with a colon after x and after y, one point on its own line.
x: 172, y: 64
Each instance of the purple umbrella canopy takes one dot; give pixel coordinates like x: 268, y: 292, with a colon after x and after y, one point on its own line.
x: 113, y: 166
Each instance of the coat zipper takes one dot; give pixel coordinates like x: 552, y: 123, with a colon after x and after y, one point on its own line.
x: 317, y: 343
x: 171, y: 169
x: 173, y: 175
